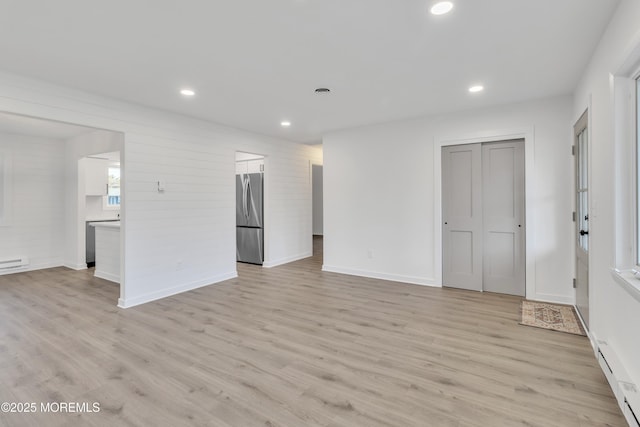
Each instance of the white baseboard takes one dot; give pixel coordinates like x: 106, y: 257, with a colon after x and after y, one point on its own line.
x: 591, y: 337
x: 76, y: 267
x: 287, y: 260
x: 107, y: 276
x: 558, y: 299
x: 383, y: 276
x: 153, y: 296
x: 594, y: 342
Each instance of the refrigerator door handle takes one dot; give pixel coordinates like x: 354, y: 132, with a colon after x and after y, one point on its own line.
x: 244, y: 195
x: 248, y: 199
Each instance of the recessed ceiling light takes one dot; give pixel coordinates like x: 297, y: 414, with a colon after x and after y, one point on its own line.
x: 323, y: 90
x: 187, y: 92
x: 476, y: 88
x: 285, y: 124
x: 441, y: 8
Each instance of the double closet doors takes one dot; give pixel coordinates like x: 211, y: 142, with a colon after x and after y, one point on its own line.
x: 483, y: 211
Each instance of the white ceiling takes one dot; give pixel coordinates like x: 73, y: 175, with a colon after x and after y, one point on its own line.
x: 254, y: 63
x: 23, y: 125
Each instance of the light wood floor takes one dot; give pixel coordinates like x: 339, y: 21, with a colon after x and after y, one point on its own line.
x: 290, y: 346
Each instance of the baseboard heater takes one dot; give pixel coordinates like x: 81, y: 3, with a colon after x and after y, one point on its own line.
x: 625, y: 391
x: 630, y: 415
x: 6, y: 264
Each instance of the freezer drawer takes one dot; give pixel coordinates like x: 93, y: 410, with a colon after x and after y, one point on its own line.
x: 249, y: 245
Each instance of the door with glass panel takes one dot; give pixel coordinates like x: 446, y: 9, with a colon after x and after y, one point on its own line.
x: 581, y: 152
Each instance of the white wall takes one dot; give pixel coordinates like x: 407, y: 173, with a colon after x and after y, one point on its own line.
x: 4, y: 185
x: 95, y: 211
x: 381, y: 194
x: 615, y: 314
x: 185, y: 237
x: 35, y: 228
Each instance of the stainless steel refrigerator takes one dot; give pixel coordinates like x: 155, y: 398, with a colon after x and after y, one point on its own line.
x: 249, y: 219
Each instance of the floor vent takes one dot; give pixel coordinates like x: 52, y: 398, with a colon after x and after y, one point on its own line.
x: 626, y: 392
x: 13, y: 263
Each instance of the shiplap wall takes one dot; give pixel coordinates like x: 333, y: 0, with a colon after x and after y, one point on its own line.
x: 36, y: 227
x: 180, y: 237
x: 289, y: 193
x: 185, y: 237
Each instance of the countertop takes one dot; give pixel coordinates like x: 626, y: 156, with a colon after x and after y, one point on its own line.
x: 110, y: 224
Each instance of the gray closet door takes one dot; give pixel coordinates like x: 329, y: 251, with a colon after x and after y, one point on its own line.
x: 462, y: 216
x: 503, y: 217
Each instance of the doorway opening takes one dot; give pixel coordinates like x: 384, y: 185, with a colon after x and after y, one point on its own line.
x: 99, y: 191
x: 250, y: 208
x: 47, y: 188
x: 317, y: 208
x: 483, y: 211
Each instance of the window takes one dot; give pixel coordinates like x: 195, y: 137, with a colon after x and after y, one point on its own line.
x: 113, y: 187
x: 626, y: 127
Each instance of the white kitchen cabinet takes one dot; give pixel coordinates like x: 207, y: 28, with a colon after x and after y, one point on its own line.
x: 241, y: 167
x: 96, y: 176
x: 250, y: 166
x: 255, y: 166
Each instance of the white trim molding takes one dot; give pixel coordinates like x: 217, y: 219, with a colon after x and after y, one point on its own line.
x: 413, y: 280
x: 76, y: 267
x: 558, y: 299
x: 107, y: 276
x: 281, y: 261
x: 153, y: 296
x: 629, y: 280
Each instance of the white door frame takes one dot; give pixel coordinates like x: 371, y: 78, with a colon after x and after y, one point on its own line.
x: 491, y: 136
